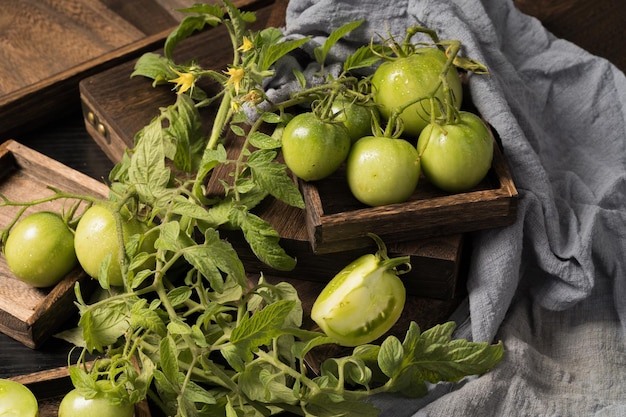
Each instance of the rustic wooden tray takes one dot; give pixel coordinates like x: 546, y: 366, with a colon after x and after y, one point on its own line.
x: 115, y: 107
x: 50, y: 386
x: 50, y: 45
x: 27, y: 314
x: 336, y: 221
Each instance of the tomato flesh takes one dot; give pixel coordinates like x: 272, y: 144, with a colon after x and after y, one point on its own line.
x: 361, y: 303
x: 40, y: 249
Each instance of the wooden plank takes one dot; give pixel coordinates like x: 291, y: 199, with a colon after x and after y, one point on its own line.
x: 27, y: 314
x: 593, y: 25
x: 54, y: 44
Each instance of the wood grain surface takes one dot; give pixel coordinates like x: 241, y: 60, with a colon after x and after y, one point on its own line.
x: 597, y: 26
x: 60, y: 34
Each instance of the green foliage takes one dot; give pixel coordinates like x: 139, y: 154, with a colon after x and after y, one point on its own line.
x: 194, y: 332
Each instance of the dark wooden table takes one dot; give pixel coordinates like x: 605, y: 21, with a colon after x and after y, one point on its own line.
x: 596, y: 26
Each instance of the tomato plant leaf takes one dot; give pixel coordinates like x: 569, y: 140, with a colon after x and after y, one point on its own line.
x: 362, y: 57
x: 185, y: 128
x: 258, y: 329
x: 272, y: 50
x: 190, y: 24
x: 263, y: 141
x: 147, y: 168
x: 104, y: 326
x: 169, y: 359
x: 263, y: 240
x: 155, y: 67
x: 142, y: 317
x: 273, y: 178
x: 321, y: 52
x: 390, y: 356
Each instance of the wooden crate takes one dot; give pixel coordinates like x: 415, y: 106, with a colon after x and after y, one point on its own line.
x: 27, y: 314
x: 336, y: 221
x: 50, y: 45
x: 50, y: 386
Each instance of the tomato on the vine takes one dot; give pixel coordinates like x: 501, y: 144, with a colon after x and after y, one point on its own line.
x: 74, y: 404
x: 314, y: 148
x: 407, y: 79
x: 456, y: 156
x: 96, y: 239
x: 355, y: 116
x: 17, y: 400
x: 382, y: 170
x: 364, y: 300
x: 40, y: 249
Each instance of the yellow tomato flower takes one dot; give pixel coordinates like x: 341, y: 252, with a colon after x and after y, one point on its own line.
x: 246, y: 45
x: 236, y: 75
x: 184, y: 82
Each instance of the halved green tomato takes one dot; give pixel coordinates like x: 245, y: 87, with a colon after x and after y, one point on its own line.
x: 364, y: 300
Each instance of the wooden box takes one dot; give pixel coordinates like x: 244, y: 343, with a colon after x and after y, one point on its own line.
x: 50, y: 386
x: 27, y: 314
x: 48, y: 46
x: 336, y: 221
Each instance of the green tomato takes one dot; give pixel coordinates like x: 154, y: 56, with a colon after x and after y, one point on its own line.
x: 407, y: 79
x: 363, y: 301
x: 313, y: 148
x: 382, y: 170
x: 357, y: 118
x: 96, y: 239
x: 456, y: 157
x: 76, y: 405
x: 40, y: 249
x: 16, y: 400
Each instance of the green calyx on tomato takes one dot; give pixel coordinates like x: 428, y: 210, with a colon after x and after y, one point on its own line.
x: 16, y: 400
x: 314, y: 148
x: 99, y: 246
x: 456, y: 156
x: 40, y: 249
x: 364, y: 300
x: 74, y: 404
x: 382, y: 170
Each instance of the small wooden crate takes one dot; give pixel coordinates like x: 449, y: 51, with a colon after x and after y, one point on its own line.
x: 27, y: 314
x: 50, y: 386
x: 336, y: 221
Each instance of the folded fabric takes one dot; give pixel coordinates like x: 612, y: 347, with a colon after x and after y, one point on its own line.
x: 553, y: 285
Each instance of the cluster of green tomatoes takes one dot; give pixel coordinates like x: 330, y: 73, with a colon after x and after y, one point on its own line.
x: 42, y: 248
x: 416, y: 97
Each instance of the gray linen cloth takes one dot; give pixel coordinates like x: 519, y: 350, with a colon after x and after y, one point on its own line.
x: 552, y: 286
